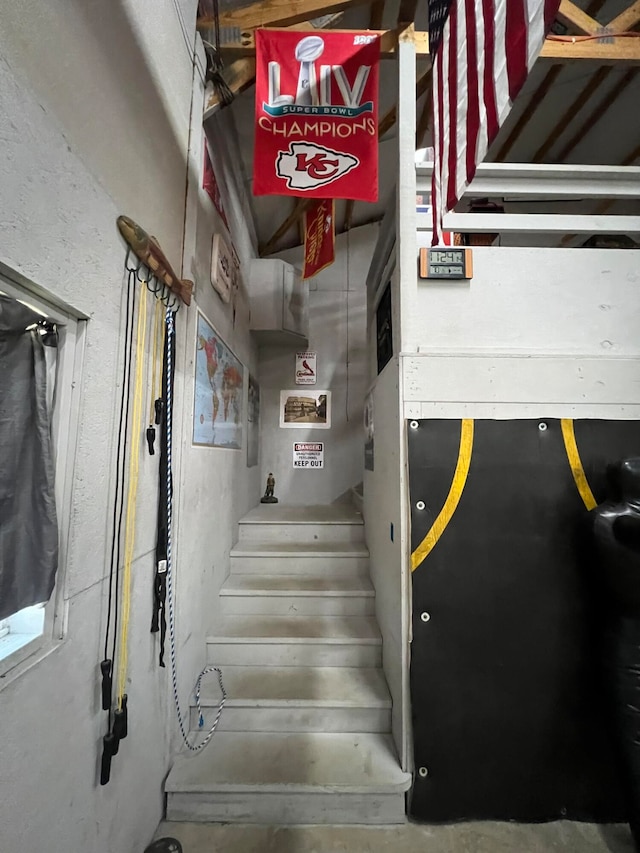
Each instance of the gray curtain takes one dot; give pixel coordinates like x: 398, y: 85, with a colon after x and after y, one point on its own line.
x: 28, y: 526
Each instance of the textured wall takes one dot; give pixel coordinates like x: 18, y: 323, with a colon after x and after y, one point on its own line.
x: 337, y: 331
x: 96, y: 104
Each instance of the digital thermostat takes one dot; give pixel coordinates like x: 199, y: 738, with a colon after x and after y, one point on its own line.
x: 451, y: 263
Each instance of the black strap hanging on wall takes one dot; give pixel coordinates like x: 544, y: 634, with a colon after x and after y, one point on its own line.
x: 158, y: 619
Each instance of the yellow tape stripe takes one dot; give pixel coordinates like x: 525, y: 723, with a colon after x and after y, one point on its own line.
x: 453, y: 498
x: 569, y: 437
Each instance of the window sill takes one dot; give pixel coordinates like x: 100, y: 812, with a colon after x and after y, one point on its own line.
x: 29, y: 656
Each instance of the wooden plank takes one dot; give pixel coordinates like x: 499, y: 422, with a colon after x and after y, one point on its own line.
x: 594, y: 7
x: 376, y: 15
x: 244, y: 43
x: 239, y: 76
x: 274, y: 13
x: 626, y: 20
x: 598, y: 112
x: 576, y: 19
x: 301, y: 204
x: 592, y: 86
x: 554, y: 181
x: 533, y: 223
x: 407, y: 11
x: 530, y: 110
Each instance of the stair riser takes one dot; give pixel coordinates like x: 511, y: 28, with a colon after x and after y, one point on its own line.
x: 287, y: 809
x: 334, y: 567
x: 310, y: 719
x: 301, y: 605
x: 301, y: 532
x: 294, y: 654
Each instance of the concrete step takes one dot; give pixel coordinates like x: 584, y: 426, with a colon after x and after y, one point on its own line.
x: 329, y: 559
x: 297, y: 595
x: 278, y: 778
x: 282, y: 523
x: 298, y: 699
x: 293, y: 641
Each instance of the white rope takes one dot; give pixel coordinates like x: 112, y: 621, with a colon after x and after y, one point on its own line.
x: 172, y: 632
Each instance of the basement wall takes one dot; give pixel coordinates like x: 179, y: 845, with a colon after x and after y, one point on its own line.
x: 337, y: 332
x: 96, y: 105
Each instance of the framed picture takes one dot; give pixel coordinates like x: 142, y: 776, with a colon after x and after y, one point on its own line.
x: 305, y: 409
x: 219, y: 388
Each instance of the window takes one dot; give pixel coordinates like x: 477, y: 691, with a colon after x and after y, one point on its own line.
x: 27, y: 631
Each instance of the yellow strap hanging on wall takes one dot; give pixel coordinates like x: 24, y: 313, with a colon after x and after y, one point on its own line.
x: 453, y: 498
x: 137, y: 427
x: 577, y: 469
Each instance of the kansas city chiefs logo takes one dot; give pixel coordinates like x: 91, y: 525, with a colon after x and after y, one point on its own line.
x: 306, y: 166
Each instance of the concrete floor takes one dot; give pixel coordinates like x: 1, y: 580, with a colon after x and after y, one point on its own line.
x: 483, y: 837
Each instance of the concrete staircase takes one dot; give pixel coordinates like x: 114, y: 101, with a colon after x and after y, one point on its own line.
x: 305, y: 734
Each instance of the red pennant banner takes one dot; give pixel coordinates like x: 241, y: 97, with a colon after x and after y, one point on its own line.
x: 316, y: 131
x: 319, y: 237
x: 210, y: 184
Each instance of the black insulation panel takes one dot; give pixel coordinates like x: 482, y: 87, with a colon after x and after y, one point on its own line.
x: 509, y: 711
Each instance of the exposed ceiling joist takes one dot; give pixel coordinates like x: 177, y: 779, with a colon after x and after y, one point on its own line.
x: 605, y: 52
x: 278, y: 13
x: 626, y: 20
x: 592, y: 86
x: 238, y: 76
x: 557, y: 49
x: 376, y: 15
x: 301, y: 204
x: 574, y: 18
x: 407, y: 11
x: 533, y: 105
x: 598, y: 112
x: 594, y: 8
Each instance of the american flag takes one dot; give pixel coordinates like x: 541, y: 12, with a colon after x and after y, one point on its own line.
x: 482, y: 52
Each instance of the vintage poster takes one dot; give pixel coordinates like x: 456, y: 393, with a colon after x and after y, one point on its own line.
x: 319, y: 237
x: 210, y: 184
x: 316, y: 124
x: 306, y: 368
x: 305, y: 409
x: 308, y: 454
x: 253, y: 422
x: 219, y: 377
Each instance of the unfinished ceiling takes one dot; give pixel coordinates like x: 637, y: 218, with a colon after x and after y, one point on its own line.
x: 572, y: 109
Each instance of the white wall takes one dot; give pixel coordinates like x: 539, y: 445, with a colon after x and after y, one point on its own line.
x: 337, y: 332
x: 96, y: 123
x: 536, y: 331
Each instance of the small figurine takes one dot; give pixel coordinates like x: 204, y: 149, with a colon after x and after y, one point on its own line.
x: 268, y: 493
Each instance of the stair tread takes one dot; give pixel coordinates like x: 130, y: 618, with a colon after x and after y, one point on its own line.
x: 299, y: 549
x: 276, y: 629
x: 267, y: 584
x: 318, y: 686
x: 319, y: 514
x: 279, y: 762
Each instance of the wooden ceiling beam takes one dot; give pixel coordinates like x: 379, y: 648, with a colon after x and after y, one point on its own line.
x: 556, y: 49
x: 376, y: 15
x: 594, y: 8
x: 407, y: 11
x: 530, y: 110
x: 627, y: 20
x: 348, y: 215
x: 239, y: 76
x: 592, y: 86
x: 278, y: 13
x: 301, y: 204
x: 598, y: 112
x: 577, y: 20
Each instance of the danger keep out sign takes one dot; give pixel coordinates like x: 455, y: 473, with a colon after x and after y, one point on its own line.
x: 308, y: 454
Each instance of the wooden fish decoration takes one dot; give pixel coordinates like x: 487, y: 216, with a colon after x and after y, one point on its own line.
x: 147, y: 250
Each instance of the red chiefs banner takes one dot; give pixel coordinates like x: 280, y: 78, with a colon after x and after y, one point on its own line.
x: 210, y: 184
x: 316, y: 129
x: 319, y: 237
